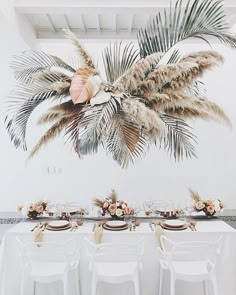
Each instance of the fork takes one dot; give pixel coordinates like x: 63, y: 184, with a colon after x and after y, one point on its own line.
x: 150, y: 224
x: 193, y: 224
x: 94, y: 226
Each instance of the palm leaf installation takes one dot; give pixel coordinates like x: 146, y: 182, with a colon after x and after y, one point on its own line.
x: 145, y: 98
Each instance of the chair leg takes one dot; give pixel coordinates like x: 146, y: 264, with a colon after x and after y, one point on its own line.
x: 172, y: 286
x: 215, y: 286
x: 77, y: 284
x: 136, y: 286
x: 94, y: 285
x: 65, y: 285
x: 206, y: 287
x: 160, y: 280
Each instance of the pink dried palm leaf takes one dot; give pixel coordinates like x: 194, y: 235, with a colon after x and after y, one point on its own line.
x: 84, y: 85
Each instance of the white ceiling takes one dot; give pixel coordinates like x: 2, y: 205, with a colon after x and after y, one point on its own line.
x: 93, y: 19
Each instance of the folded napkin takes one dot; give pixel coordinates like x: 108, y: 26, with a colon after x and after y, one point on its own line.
x: 38, y: 234
x: 98, y: 233
x: 159, y: 232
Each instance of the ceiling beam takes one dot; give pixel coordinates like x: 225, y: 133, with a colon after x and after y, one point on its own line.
x: 93, y: 34
x: 50, y: 22
x: 102, y: 3
x: 66, y: 22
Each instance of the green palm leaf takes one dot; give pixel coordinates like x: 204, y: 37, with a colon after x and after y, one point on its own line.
x: 24, y: 101
x: 198, y: 19
x: 117, y: 59
x: 178, y: 139
x: 31, y: 62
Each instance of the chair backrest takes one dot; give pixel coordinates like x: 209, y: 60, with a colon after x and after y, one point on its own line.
x: 191, y: 250
x: 67, y: 251
x: 114, y: 252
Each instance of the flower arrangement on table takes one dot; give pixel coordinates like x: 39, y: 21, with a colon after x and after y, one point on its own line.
x: 210, y: 206
x: 113, y: 206
x: 33, y: 210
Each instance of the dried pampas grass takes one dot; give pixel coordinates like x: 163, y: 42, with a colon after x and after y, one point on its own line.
x: 147, y: 119
x: 194, y: 195
x: 184, y: 106
x: 52, y: 133
x: 129, y: 81
x: 85, y: 57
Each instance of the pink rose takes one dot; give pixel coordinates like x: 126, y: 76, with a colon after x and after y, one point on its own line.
x: 210, y: 209
x: 39, y: 208
x: 112, y: 209
x: 121, y: 202
x: 31, y: 208
x: 199, y: 205
x: 128, y: 210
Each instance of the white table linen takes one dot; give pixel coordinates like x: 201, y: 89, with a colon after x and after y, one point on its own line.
x: 207, y: 230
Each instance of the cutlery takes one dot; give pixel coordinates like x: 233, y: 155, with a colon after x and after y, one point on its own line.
x: 94, y: 226
x: 193, y: 224
x: 191, y: 227
x: 130, y: 227
x: 35, y: 227
x: 134, y: 227
x: 150, y: 224
x: 72, y: 228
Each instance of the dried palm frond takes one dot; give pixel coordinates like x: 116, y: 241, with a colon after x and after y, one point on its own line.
x: 124, y: 140
x: 113, y: 196
x: 136, y: 74
x: 178, y: 140
x: 194, y: 195
x: 98, y: 202
x: 86, y: 59
x: 118, y: 59
x: 196, y: 19
x: 52, y: 133
x: 31, y: 62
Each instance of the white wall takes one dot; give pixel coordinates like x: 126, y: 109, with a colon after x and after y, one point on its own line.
x: 154, y: 177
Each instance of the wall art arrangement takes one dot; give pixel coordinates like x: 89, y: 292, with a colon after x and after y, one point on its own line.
x: 141, y: 101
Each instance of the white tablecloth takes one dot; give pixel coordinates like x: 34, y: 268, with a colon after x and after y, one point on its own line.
x: 11, y: 267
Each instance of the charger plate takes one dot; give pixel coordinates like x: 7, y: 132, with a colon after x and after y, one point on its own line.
x: 115, y: 228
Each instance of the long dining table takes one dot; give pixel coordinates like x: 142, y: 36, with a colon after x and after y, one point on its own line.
x: 207, y: 230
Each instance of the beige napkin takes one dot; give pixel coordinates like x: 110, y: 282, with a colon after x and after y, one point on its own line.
x: 38, y: 234
x: 159, y: 232
x: 98, y: 233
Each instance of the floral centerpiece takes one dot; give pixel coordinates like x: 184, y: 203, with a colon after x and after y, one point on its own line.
x: 33, y: 210
x: 113, y: 206
x: 209, y: 206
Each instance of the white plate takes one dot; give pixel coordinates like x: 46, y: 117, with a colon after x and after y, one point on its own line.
x: 115, y: 223
x: 174, y: 223
x: 58, y: 223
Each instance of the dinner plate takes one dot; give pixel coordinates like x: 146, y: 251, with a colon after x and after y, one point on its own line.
x: 115, y: 228
x: 116, y: 223
x: 174, y: 228
x: 174, y: 223
x: 58, y: 223
x: 58, y: 228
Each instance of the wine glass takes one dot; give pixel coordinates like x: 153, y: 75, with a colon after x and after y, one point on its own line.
x: 189, y: 208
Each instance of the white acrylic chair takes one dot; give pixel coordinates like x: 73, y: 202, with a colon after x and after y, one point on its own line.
x: 115, y: 263
x: 47, y: 262
x: 191, y: 261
